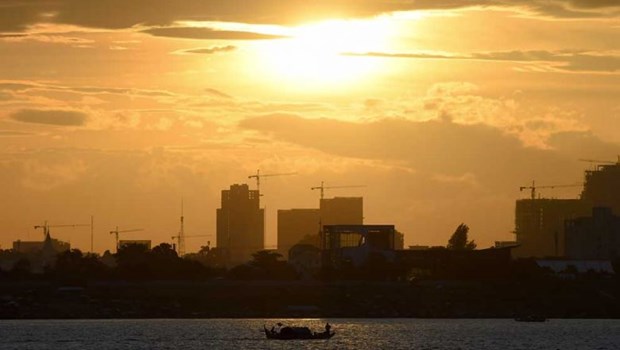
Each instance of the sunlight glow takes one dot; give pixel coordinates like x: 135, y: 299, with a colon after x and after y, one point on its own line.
x: 312, y: 57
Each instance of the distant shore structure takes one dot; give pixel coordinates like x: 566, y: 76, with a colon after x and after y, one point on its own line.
x: 541, y: 223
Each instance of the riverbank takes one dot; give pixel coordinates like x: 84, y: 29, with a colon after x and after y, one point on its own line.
x: 278, y: 299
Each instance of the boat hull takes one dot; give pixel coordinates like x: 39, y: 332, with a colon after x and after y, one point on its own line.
x: 297, y: 336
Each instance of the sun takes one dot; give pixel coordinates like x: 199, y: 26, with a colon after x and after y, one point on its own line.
x: 314, y: 55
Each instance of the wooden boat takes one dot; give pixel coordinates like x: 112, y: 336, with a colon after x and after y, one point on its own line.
x: 290, y: 333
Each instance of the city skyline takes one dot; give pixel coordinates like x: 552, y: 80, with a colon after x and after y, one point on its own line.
x: 442, y: 109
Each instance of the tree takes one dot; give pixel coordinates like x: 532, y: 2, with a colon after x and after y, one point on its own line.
x: 73, y: 266
x: 459, y: 241
x: 265, y: 265
x: 266, y: 259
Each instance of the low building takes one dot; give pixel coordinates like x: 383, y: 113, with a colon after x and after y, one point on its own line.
x: 442, y: 262
x: 505, y: 244
x: 125, y: 242
x: 32, y: 247
x: 355, y: 243
x: 577, y: 266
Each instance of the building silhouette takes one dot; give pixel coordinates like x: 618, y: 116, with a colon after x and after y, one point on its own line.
x: 342, y: 211
x: 602, y: 187
x: 541, y: 224
x: 294, y: 225
x: 354, y: 244
x: 240, y: 227
x: 146, y: 243
x: 595, y: 237
x: 49, y: 244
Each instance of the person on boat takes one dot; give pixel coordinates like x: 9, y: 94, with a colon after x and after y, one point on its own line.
x: 327, y: 327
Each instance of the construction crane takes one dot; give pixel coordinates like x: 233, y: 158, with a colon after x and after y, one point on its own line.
x: 258, y: 175
x: 46, y: 227
x: 117, y: 231
x: 178, y: 239
x: 533, y: 188
x: 323, y: 188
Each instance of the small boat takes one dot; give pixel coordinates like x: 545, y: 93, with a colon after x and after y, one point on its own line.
x: 290, y: 333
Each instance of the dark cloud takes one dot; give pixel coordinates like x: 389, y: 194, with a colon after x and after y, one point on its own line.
x: 577, y: 61
x: 208, y: 34
x: 210, y: 50
x: 16, y: 15
x: 12, y: 36
x: 50, y: 117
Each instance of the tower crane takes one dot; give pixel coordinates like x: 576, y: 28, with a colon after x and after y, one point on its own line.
x: 258, y: 175
x: 323, y: 188
x: 46, y: 227
x: 117, y: 231
x: 534, y: 187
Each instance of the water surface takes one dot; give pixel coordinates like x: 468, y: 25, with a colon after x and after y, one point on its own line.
x: 247, y: 334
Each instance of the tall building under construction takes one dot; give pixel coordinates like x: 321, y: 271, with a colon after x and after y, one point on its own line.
x: 342, y: 211
x: 240, y: 227
x: 540, y: 223
x: 602, y: 187
x: 294, y: 225
x: 297, y: 224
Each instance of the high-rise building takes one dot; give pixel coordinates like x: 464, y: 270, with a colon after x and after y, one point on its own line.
x: 602, y: 187
x: 596, y: 237
x: 294, y: 225
x: 539, y: 225
x: 342, y: 211
x: 240, y: 224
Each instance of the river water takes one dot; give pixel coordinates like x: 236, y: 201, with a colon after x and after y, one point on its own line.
x: 246, y: 334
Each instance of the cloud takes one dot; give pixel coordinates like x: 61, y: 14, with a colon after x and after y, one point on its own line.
x: 564, y: 60
x: 208, y: 34
x: 9, y: 133
x: 17, y: 15
x: 50, y: 117
x: 218, y: 93
x: 16, y: 85
x: 13, y: 36
x: 208, y: 50
x: 483, y: 153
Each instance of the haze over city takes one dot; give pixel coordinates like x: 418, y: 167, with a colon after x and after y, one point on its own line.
x: 440, y: 109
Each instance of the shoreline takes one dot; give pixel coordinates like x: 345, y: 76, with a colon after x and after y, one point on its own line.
x: 496, y: 299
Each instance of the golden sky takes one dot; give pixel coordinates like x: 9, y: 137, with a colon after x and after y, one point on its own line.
x: 442, y: 109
